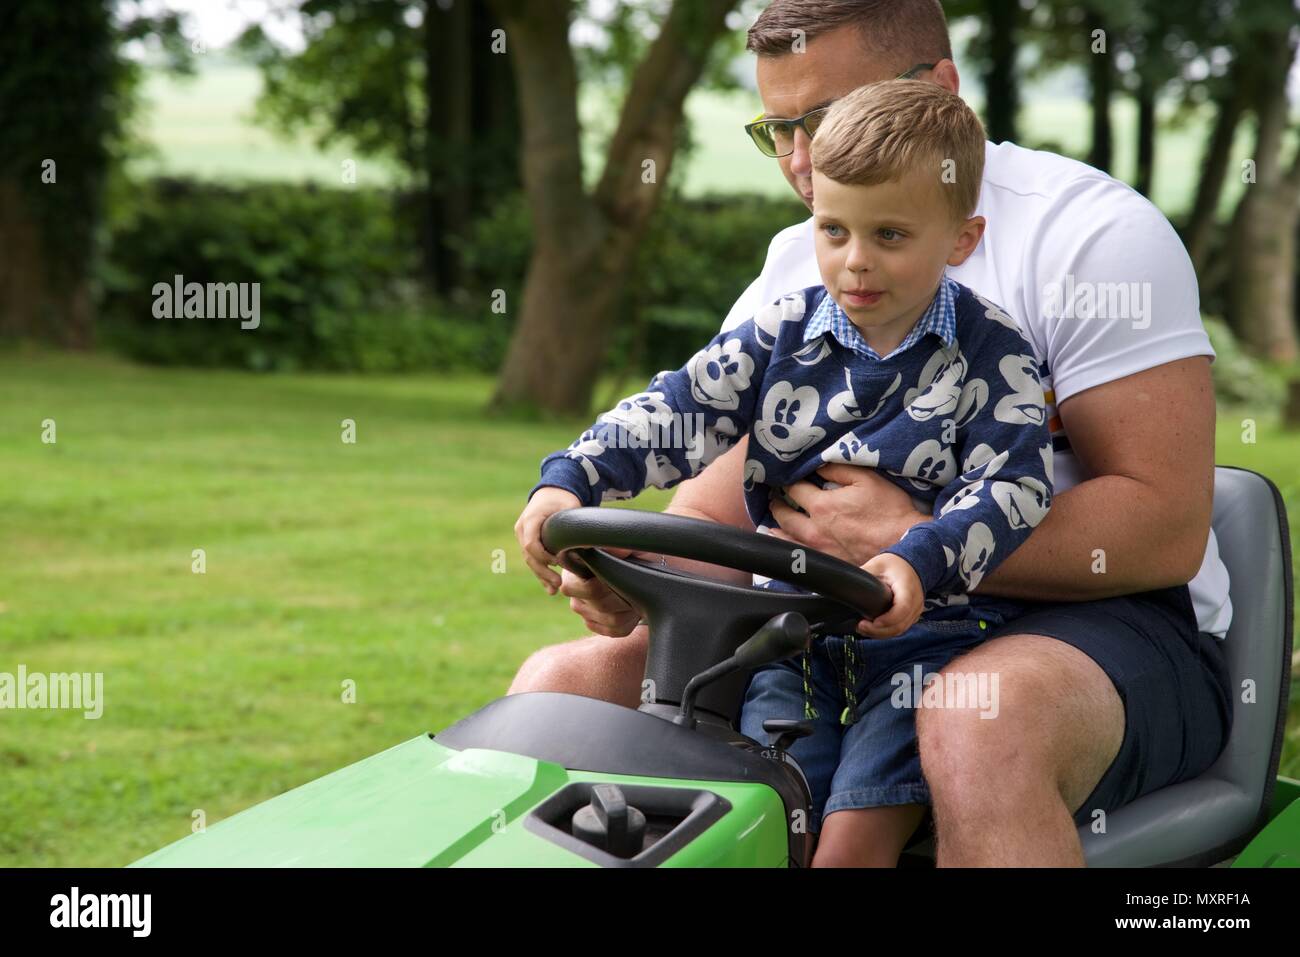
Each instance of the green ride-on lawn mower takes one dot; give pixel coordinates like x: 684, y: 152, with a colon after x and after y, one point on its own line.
x: 553, y: 780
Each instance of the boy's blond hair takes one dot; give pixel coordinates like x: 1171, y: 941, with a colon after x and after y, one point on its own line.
x: 882, y: 131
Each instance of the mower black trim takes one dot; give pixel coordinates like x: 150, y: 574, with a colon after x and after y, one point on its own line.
x: 717, y: 544
x: 586, y: 734
x: 695, y: 811
x: 688, y: 635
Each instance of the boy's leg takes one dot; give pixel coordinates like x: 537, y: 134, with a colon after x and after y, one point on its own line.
x: 598, y: 666
x: 866, y: 837
x: 777, y: 691
x: 879, y: 795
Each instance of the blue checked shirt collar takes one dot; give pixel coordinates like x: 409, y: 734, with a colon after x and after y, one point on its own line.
x: 940, y: 318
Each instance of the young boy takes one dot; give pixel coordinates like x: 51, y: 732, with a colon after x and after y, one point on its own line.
x: 889, y: 364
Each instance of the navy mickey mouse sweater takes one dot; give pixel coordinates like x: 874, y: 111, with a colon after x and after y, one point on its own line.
x: 954, y: 416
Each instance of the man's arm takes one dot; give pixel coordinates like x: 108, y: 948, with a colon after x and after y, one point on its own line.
x: 718, y: 387
x: 1148, y: 440
x: 714, y: 495
x: 717, y: 493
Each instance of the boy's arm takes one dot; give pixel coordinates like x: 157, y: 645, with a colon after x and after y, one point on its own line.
x: 677, y: 426
x: 1005, y: 486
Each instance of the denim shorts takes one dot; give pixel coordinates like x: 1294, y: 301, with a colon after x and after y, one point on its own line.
x: 873, y: 761
x: 1172, y: 679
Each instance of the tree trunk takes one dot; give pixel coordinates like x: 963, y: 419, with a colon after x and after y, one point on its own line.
x: 1214, y: 168
x: 58, y: 105
x: 1146, y: 136
x: 496, y: 116
x: 447, y: 211
x: 1262, y: 287
x: 1000, y: 91
x: 33, y: 304
x: 21, y: 267
x: 585, y: 244
x: 471, y: 155
x: 1291, y: 412
x: 1101, y: 77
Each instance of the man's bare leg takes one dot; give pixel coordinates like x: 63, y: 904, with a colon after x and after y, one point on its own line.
x: 595, y: 667
x: 1005, y: 790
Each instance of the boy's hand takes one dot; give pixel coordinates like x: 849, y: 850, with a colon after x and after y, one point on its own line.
x: 909, y: 598
x: 528, y: 530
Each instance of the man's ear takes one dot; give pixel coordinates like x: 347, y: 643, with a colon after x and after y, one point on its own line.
x: 945, y: 74
x: 968, y: 237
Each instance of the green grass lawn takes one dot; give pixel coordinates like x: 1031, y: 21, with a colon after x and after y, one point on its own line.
x: 326, y: 562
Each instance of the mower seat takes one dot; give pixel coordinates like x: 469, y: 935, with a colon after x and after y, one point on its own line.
x: 1201, y: 822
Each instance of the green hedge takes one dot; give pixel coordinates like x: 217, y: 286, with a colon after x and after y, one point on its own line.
x: 332, y: 266
x: 336, y: 272
x: 1240, y: 380
x: 698, y: 256
x: 336, y: 275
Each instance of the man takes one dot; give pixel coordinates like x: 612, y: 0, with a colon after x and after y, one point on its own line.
x: 1114, y: 685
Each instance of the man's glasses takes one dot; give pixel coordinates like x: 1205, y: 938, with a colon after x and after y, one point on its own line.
x: 775, y: 138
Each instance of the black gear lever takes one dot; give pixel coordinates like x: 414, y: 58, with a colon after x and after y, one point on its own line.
x: 788, y: 731
x: 783, y: 636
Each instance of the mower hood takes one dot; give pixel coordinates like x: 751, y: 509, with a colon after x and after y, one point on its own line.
x: 416, y: 804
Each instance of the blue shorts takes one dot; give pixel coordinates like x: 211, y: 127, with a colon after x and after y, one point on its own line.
x: 873, y: 761
x: 1172, y: 679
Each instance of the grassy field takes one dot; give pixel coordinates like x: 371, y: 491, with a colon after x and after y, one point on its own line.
x: 202, y: 127
x: 326, y: 562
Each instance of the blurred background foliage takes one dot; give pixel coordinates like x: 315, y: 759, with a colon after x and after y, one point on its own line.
x: 395, y: 264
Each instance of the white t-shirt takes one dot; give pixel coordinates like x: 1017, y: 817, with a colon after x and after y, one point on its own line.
x: 1093, y: 273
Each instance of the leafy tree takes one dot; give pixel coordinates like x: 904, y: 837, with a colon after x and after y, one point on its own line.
x: 412, y: 80
x: 1262, y: 237
x: 67, y: 91
x: 995, y: 51
x: 586, y: 237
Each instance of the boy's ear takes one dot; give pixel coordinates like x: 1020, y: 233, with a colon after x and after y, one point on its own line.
x: 969, y: 235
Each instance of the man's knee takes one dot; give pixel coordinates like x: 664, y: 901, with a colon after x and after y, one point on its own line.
x: 1058, y: 722
x: 596, y: 667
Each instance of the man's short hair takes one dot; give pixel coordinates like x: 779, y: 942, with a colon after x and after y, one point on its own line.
x: 905, y: 32
x: 882, y: 131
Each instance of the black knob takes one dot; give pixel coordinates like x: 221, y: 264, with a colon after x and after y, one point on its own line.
x: 610, y: 823
x: 788, y: 731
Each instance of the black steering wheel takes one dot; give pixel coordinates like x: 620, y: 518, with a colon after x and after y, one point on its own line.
x: 694, y: 621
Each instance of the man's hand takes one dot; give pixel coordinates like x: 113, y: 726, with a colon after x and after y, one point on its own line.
x: 909, y: 597
x: 855, y: 522
x: 603, y: 611
x: 528, y: 530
